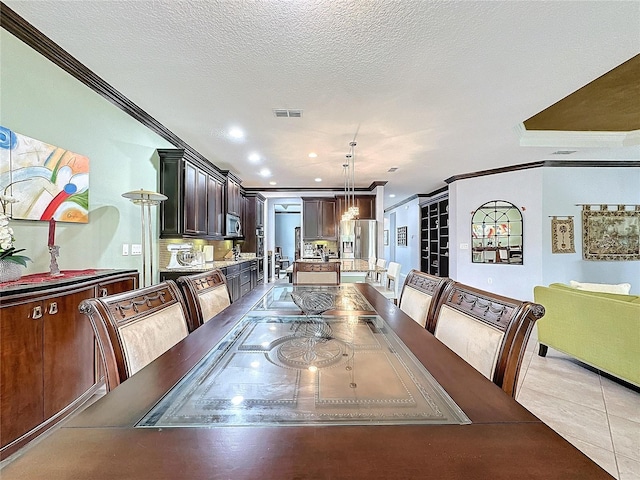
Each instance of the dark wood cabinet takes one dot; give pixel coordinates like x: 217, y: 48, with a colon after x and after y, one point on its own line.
x: 234, y: 195
x: 319, y: 219
x: 195, y: 197
x: 434, y: 237
x: 232, y: 273
x: 365, y: 203
x: 47, y: 353
x: 253, y: 223
x: 215, y: 207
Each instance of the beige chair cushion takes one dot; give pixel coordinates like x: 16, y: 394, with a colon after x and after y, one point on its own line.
x: 317, y: 277
x: 145, y: 340
x: 415, y: 304
x: 476, y: 342
x: 213, y: 301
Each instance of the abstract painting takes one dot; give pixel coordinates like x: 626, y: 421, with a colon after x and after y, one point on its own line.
x: 46, y: 181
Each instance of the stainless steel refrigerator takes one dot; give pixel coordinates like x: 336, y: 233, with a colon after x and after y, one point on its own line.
x: 358, y: 239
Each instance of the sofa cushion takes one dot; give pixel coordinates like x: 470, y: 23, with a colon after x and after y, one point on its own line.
x: 621, y: 288
x: 612, y: 296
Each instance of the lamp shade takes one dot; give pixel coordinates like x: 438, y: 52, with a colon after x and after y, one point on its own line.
x: 145, y: 197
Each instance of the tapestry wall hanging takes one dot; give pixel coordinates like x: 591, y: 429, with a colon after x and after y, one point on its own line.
x: 402, y: 236
x: 611, y: 233
x: 562, y: 235
x: 46, y: 181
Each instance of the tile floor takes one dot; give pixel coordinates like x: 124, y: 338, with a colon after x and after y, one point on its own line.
x: 598, y: 416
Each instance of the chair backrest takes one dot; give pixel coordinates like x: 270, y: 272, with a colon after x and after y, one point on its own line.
x: 134, y: 328
x: 316, y: 273
x: 205, y: 294
x: 488, y: 331
x: 381, y: 262
x: 420, y: 295
x: 393, y: 272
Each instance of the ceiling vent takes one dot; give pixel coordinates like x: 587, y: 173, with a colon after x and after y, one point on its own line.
x: 287, y: 113
x: 564, y: 152
x: 392, y: 169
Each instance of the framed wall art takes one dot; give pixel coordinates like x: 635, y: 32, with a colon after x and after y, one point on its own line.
x: 611, y: 233
x: 562, y: 235
x: 402, y: 236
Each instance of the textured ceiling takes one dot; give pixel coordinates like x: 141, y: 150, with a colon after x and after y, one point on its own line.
x: 433, y: 88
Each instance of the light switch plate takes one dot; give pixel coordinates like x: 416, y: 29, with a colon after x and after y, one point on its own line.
x: 136, y: 249
x: 464, y: 246
x: 125, y: 249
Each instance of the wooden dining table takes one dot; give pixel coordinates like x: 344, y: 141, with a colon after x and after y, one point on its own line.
x: 501, y: 439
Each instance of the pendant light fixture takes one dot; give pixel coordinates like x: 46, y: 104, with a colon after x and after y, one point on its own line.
x: 352, y: 211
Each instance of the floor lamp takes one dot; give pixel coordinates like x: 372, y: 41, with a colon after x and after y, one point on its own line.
x: 146, y: 198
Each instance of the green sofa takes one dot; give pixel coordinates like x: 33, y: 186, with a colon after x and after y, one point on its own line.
x: 599, y: 329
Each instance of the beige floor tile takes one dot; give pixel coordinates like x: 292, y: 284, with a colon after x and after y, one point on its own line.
x: 621, y: 401
x: 566, y: 380
x: 569, y: 419
x: 626, y: 437
x: 629, y: 469
x: 602, y: 457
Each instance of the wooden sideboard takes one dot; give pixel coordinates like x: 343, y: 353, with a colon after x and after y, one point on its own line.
x: 48, y: 364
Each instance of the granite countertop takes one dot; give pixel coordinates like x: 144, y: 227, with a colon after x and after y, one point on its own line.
x: 211, y: 265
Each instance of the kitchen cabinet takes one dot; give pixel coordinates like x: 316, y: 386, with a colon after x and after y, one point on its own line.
x: 215, y: 207
x: 365, y: 203
x: 253, y: 223
x: 232, y: 273
x: 195, y: 197
x: 48, y: 357
x: 319, y: 219
x: 234, y: 195
x: 434, y: 237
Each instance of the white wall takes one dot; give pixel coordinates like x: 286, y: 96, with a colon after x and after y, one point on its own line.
x: 285, y: 224
x: 523, y: 188
x: 563, y: 189
x: 407, y: 214
x: 543, y: 192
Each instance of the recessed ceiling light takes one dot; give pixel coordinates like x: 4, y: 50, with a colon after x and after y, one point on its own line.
x: 273, y: 183
x: 265, y: 172
x: 236, y: 133
x: 318, y: 179
x: 313, y: 155
x: 254, y: 157
x: 393, y: 195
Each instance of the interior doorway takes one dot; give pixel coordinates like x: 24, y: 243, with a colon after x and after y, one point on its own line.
x: 287, y: 219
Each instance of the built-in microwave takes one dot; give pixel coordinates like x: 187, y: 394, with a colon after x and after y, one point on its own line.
x: 234, y: 228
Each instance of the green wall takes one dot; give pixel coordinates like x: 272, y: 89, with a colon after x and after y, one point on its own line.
x: 40, y: 100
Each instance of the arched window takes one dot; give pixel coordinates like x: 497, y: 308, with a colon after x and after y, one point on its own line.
x: 496, y: 231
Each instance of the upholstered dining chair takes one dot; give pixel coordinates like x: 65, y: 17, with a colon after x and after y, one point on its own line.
x: 316, y: 273
x: 134, y: 328
x: 489, y: 331
x: 381, y: 263
x: 390, y: 287
x: 420, y: 294
x: 205, y: 294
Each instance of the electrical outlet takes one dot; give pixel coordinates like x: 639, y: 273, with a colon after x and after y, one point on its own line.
x: 464, y: 246
x: 489, y: 280
x: 125, y: 249
x: 136, y: 249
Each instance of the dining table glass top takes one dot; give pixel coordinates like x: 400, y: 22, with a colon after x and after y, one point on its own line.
x: 331, y: 362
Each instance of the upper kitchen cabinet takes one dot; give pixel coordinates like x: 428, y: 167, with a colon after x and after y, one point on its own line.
x: 195, y: 197
x: 319, y: 219
x: 234, y: 195
x: 366, y: 204
x: 253, y: 221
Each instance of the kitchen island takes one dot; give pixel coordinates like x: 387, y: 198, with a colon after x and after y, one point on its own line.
x: 351, y: 270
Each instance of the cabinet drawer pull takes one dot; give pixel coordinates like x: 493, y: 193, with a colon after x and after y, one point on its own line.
x: 36, y: 313
x: 103, y: 292
x: 53, y: 308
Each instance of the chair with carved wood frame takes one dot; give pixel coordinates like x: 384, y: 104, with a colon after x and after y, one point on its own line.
x: 134, y: 328
x: 205, y: 294
x: 489, y: 331
x: 420, y: 295
x: 316, y: 273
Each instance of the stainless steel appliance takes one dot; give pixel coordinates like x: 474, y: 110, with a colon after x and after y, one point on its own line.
x: 358, y: 239
x: 234, y: 229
